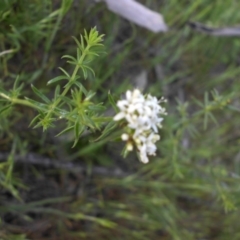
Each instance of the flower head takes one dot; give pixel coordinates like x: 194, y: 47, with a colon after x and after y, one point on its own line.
x: 143, y: 117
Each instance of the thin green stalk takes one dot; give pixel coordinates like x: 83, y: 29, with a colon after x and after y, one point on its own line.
x: 19, y: 101
x: 52, y: 36
x: 71, y: 81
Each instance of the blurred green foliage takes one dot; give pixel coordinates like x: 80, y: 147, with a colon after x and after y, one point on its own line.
x: 189, y: 191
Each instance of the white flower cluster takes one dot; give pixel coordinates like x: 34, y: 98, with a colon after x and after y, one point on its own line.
x: 142, y: 114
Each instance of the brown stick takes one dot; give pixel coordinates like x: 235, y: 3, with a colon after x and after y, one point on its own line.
x: 35, y: 159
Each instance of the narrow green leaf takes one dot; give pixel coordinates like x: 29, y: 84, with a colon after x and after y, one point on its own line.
x: 15, y: 86
x: 205, y: 121
x: 70, y: 57
x: 90, y: 69
x: 41, y: 95
x: 96, y: 108
x: 90, y: 95
x: 66, y: 4
x: 66, y: 100
x: 38, y: 105
x: 89, y: 122
x: 78, y: 54
x: 73, y: 63
x: 57, y: 92
x: 38, y: 125
x: 78, y: 133
x: 76, y: 129
x: 101, y: 119
x: 86, y: 36
x: 57, y: 79
x: 5, y: 108
x: 213, y: 118
x: 198, y: 102
x: 65, y: 130
x: 82, y: 46
x: 34, y: 120
x: 206, y: 98
x: 77, y: 42
x: 65, y: 72
x: 82, y: 88
x: 112, y: 102
x: 109, y: 128
x: 84, y: 71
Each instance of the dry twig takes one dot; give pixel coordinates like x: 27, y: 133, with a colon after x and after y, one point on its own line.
x: 35, y: 159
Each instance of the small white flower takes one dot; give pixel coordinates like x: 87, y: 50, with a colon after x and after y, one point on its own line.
x: 125, y: 137
x: 143, y: 155
x: 119, y: 116
x: 129, y: 146
x: 143, y: 117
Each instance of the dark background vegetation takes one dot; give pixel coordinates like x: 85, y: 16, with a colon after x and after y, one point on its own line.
x: 190, y: 190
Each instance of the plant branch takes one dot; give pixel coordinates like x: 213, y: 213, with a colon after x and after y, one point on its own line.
x: 35, y: 159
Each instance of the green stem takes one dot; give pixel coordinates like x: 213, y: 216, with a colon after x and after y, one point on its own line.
x: 71, y: 81
x: 24, y: 102
x: 19, y: 101
x: 58, y: 100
